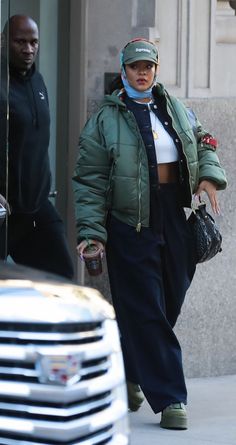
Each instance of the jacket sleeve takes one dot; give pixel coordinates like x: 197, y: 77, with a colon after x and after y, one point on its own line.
x: 90, y: 182
x: 209, y: 163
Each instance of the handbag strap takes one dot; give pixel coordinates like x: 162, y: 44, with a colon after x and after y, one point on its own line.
x: 195, y: 205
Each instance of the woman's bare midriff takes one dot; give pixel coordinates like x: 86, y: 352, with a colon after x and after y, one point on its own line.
x: 168, y: 173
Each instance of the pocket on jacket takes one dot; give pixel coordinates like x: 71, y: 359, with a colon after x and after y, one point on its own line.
x: 125, y: 194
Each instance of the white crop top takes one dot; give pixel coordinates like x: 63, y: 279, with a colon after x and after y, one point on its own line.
x: 166, y: 150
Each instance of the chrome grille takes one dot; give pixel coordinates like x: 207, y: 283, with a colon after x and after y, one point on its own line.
x: 55, y: 412
x: 13, y: 370
x: 75, y: 333
x: 101, y: 437
x: 81, y: 413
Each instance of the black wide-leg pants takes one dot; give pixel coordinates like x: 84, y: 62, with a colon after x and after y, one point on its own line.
x: 149, y: 274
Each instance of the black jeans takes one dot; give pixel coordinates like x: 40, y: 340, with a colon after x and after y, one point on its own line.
x: 38, y: 240
x: 149, y: 275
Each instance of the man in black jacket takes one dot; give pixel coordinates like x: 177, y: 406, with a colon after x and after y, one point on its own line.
x: 35, y: 231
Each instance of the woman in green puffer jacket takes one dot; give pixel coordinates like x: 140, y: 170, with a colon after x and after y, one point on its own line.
x: 142, y: 157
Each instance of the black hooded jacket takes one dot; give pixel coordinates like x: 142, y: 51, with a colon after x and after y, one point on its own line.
x: 29, y: 132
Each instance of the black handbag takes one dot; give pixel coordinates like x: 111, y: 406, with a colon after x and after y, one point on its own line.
x: 207, y: 238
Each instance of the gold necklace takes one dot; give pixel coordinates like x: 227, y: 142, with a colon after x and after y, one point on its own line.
x: 155, y: 134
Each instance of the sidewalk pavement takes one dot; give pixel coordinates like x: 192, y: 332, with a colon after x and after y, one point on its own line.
x: 211, y: 416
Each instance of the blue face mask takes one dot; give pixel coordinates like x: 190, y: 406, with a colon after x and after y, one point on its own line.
x: 135, y: 94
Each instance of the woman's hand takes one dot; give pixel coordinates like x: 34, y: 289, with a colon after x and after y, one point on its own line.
x: 80, y: 248
x: 5, y: 204
x: 211, y: 189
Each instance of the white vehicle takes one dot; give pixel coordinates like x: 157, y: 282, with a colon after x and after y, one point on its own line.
x: 61, y: 370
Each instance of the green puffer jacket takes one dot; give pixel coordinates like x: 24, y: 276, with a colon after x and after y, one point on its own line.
x: 112, y: 167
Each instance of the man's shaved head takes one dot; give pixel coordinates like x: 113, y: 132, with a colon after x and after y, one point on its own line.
x: 23, y: 37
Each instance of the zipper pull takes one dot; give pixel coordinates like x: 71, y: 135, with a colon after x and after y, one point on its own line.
x: 138, y: 227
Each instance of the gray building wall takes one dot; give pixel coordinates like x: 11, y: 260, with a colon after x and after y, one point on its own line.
x: 207, y: 325
x: 197, y: 44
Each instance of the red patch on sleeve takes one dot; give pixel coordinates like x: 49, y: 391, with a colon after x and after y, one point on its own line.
x: 208, y: 139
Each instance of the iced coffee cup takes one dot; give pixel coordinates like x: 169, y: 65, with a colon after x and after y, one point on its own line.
x: 92, y: 255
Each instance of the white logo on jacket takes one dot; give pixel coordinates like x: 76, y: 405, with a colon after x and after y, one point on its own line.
x: 41, y: 95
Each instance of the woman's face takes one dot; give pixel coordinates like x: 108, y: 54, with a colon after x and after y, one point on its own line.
x: 140, y: 74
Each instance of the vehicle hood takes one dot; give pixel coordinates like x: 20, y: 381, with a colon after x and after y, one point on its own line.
x: 27, y: 295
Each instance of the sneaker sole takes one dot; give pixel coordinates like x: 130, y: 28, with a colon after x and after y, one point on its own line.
x: 134, y: 407
x: 135, y: 403
x: 135, y: 398
x: 177, y: 422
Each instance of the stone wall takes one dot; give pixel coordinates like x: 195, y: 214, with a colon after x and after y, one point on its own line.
x: 207, y: 324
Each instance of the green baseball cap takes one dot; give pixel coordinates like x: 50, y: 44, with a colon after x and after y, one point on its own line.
x: 140, y: 49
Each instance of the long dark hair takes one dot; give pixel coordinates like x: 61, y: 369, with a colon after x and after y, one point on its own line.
x: 115, y: 84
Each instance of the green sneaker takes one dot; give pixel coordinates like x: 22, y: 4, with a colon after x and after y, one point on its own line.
x: 174, y: 417
x: 135, y: 396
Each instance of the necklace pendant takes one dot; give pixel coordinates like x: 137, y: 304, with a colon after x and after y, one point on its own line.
x: 155, y: 135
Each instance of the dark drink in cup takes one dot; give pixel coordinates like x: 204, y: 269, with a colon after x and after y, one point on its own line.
x: 92, y: 256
